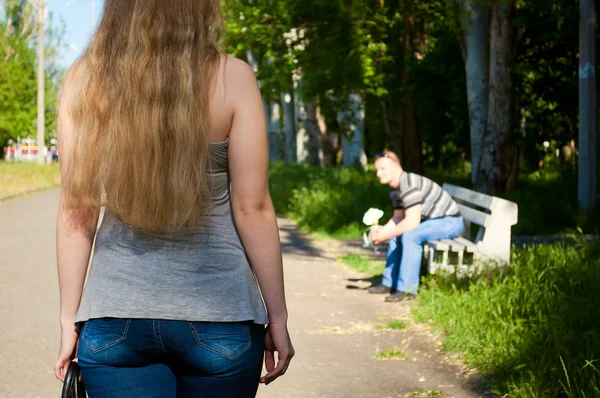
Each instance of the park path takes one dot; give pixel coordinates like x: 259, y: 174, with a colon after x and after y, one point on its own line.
x: 332, y: 320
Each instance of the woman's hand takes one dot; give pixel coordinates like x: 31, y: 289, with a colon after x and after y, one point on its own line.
x: 68, y: 349
x: 277, y: 339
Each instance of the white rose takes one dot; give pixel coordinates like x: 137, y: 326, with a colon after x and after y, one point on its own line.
x: 372, y: 216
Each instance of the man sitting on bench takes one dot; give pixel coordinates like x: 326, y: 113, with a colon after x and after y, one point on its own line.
x: 423, y: 211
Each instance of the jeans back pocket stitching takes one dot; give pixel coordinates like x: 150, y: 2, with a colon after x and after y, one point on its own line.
x: 112, y: 343
x: 230, y: 357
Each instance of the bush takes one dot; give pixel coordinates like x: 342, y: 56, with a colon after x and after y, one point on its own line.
x: 534, y: 327
x: 329, y: 201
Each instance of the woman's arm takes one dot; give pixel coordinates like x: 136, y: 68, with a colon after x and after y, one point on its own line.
x: 75, y: 228
x: 251, y: 201
x: 252, y: 205
x: 75, y: 231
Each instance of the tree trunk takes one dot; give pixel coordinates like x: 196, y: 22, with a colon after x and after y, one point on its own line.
x: 274, y: 131
x: 307, y: 139
x: 402, y: 136
x: 411, y: 153
x: 272, y: 114
x: 353, y: 146
x: 587, y: 107
x: 328, y: 140
x: 497, y: 170
x: 398, y: 109
x: 476, y: 52
x: 289, y: 128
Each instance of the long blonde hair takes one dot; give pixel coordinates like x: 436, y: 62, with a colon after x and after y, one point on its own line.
x: 140, y: 117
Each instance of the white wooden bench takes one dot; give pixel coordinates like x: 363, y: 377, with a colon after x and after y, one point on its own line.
x: 464, y: 255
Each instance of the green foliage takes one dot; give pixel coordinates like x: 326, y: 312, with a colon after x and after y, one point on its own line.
x: 546, y: 78
x: 18, y: 86
x: 331, y: 201
x: 535, y: 326
x: 357, y: 45
x: 18, y: 71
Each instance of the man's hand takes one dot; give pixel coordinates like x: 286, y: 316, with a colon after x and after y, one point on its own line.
x: 379, y: 234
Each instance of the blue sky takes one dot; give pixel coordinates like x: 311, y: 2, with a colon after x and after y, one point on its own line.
x: 79, y: 24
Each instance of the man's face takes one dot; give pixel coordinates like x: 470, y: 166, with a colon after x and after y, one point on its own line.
x: 386, y: 170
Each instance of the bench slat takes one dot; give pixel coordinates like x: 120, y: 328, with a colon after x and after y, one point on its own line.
x: 454, y: 246
x: 475, y: 216
x: 436, y: 244
x: 508, y: 211
x: 469, y: 246
x: 466, y: 195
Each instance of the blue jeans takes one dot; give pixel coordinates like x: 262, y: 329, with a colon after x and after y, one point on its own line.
x: 403, y: 264
x: 144, y: 358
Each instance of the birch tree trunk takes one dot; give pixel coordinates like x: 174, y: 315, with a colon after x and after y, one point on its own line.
x: 497, y: 170
x: 353, y: 147
x: 289, y: 128
x: 307, y: 139
x: 275, y: 135
x: 476, y: 51
x: 328, y: 140
x: 272, y: 115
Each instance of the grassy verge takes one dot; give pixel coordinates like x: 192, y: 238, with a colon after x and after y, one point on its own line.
x: 20, y: 178
x: 535, y: 328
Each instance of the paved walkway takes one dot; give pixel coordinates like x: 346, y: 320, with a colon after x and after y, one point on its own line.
x: 332, y: 321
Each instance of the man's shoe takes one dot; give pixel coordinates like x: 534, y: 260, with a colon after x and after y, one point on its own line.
x: 399, y: 296
x: 379, y: 289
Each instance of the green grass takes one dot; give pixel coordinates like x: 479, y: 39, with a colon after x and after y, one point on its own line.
x: 363, y: 264
x: 426, y: 393
x: 391, y: 353
x: 534, y: 327
x: 394, y: 324
x: 20, y: 178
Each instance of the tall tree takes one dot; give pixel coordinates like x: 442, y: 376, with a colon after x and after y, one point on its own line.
x: 498, y: 168
x: 397, y: 102
x: 587, y: 107
x: 18, y: 66
x: 476, y: 52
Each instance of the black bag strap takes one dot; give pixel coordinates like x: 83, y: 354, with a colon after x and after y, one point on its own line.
x: 73, y: 387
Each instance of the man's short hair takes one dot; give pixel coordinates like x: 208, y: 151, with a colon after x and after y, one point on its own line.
x: 388, y: 154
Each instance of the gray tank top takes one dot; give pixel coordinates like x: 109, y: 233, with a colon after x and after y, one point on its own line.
x: 200, y: 275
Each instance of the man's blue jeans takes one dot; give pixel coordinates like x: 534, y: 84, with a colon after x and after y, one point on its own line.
x: 403, y: 265
x: 143, y: 358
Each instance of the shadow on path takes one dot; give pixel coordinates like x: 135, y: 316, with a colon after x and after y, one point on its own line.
x: 298, y: 243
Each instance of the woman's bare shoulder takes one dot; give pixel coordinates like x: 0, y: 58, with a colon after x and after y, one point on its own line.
x: 239, y: 75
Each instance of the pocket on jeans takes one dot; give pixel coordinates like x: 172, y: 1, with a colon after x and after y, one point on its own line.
x: 229, y: 340
x: 101, y: 333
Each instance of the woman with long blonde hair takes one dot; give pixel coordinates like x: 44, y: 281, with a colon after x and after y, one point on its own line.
x: 168, y: 135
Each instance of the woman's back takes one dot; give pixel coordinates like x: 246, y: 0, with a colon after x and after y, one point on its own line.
x: 201, y: 274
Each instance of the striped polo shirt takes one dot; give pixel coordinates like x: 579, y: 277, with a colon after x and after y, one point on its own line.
x: 418, y: 190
